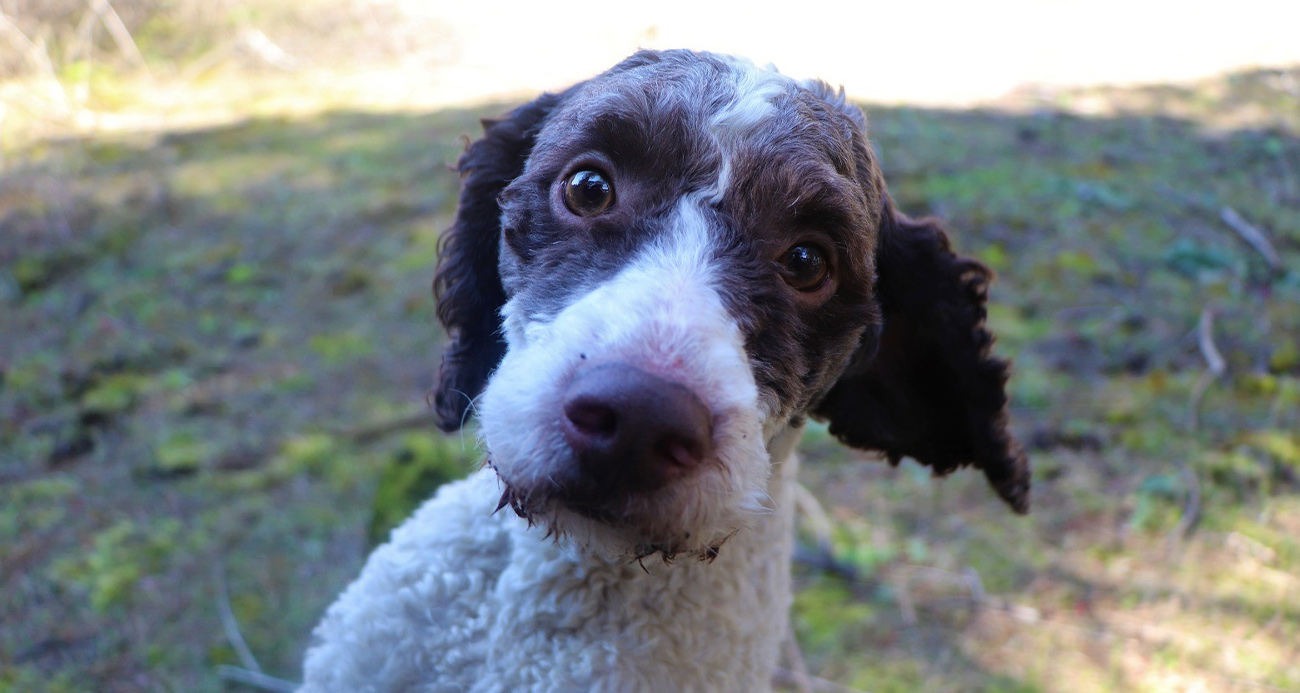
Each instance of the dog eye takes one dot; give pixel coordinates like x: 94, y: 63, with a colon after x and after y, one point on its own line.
x: 588, y: 192
x: 806, y: 268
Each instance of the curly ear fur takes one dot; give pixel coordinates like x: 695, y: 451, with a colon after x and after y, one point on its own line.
x: 467, y: 285
x: 932, y: 390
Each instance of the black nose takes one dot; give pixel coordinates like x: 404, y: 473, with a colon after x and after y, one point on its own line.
x: 633, y: 431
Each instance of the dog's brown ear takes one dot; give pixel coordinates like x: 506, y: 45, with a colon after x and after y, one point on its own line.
x: 467, y: 285
x: 929, y: 388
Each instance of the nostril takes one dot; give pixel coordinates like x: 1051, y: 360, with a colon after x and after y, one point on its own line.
x: 592, y: 417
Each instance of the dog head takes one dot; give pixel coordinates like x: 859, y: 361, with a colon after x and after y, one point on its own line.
x: 654, y: 273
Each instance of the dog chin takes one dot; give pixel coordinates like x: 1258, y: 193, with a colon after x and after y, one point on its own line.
x: 609, y: 535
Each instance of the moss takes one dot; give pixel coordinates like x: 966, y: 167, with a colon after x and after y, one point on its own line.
x: 411, y: 473
x: 1285, y: 356
x: 114, y: 394
x: 182, y: 453
x: 825, y: 613
x: 341, y: 347
x: 118, y: 557
x: 32, y: 273
x: 22, y: 678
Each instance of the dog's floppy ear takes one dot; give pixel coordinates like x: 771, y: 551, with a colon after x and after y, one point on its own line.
x: 929, y: 388
x: 467, y: 285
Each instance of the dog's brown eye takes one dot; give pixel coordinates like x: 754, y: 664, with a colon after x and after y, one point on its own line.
x: 806, y: 268
x: 588, y: 192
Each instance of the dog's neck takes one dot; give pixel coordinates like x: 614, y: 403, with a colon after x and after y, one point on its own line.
x: 701, y: 622
x: 487, y: 602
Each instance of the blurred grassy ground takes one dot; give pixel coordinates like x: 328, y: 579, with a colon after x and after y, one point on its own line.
x: 215, y: 346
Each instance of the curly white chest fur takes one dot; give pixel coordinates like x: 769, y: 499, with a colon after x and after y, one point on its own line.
x: 478, y: 601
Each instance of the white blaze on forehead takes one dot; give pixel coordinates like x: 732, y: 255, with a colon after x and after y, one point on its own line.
x: 663, y: 312
x: 751, y: 104
x: 683, y: 257
x: 755, y: 88
x: 670, y: 282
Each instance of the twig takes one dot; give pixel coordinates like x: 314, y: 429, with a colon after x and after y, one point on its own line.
x: 83, y: 46
x: 38, y: 58
x: 819, y: 522
x: 784, y: 678
x: 231, y: 625
x: 255, y: 679
x: 372, y: 432
x: 117, y: 29
x: 1205, y: 339
x: 1191, y: 504
x: 1215, y: 366
x: 1208, y: 206
x: 1252, y: 236
x: 266, y: 50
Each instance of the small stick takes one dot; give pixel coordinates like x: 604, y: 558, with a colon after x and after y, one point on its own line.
x: 1252, y: 236
x: 118, y: 30
x: 1191, y: 505
x: 372, y: 432
x: 231, y: 625
x: 819, y: 522
x: 1205, y: 338
x: 1215, y: 365
x: 256, y: 679
x: 261, y: 45
x: 39, y: 59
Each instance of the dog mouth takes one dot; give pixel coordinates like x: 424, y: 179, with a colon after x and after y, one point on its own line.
x: 518, y: 503
x: 564, y: 515
x: 536, y: 506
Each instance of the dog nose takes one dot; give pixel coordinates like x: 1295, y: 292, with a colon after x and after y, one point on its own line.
x: 634, y: 431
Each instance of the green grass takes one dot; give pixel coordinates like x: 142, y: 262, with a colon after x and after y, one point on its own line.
x: 209, y: 333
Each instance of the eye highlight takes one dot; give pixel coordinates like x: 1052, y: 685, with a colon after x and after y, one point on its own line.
x: 806, y: 267
x: 588, y: 192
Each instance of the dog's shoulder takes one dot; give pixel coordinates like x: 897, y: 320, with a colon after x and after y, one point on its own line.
x: 421, y: 604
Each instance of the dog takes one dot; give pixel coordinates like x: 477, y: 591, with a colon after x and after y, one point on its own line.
x: 654, y: 279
